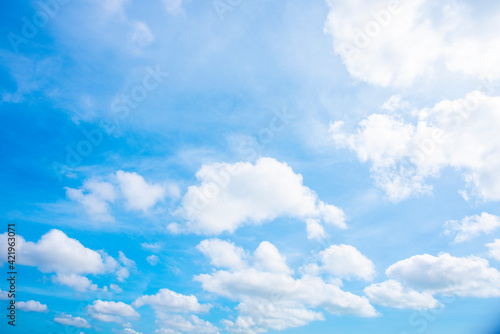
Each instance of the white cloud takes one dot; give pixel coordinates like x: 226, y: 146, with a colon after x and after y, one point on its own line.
x: 223, y: 254
x: 95, y: 197
x: 315, y: 230
x: 73, y: 261
x: 392, y: 294
x: 153, y: 259
x: 141, y: 36
x: 472, y: 226
x: 394, y: 103
x: 4, y: 295
x: 115, y: 288
x: 463, y: 276
x: 270, y: 298
x: 109, y: 311
x: 376, y: 40
x: 153, y: 247
x: 494, y: 249
x: 173, y: 7
x: 32, y: 306
x: 139, y: 194
x: 170, y: 301
x: 69, y: 320
x: 453, y: 134
x: 346, y: 261
x: 231, y: 195
x: 177, y: 324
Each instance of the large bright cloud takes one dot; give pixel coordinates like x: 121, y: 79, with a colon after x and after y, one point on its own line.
x: 462, y: 276
x: 110, y: 311
x: 346, y: 261
x: 231, y: 195
x: 472, y: 226
x: 73, y: 260
x: 170, y: 301
x: 453, y: 133
x: 395, y: 42
x: 270, y: 297
x: 392, y: 294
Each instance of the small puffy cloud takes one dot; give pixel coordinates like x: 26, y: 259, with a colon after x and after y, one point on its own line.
x: 173, y: 7
x: 139, y: 194
x: 4, y: 295
x: 392, y: 294
x: 223, y: 254
x: 153, y: 247
x: 170, y: 301
x: 32, y: 306
x: 395, y: 103
x: 232, y: 195
x: 494, y: 249
x: 153, y: 260
x: 269, y: 296
x: 94, y: 196
x: 73, y: 261
x: 462, y: 276
x: 109, y: 311
x: 454, y: 133
x: 376, y: 40
x: 68, y: 320
x: 472, y: 226
x: 115, y: 288
x: 177, y: 324
x: 346, y: 261
x: 141, y: 36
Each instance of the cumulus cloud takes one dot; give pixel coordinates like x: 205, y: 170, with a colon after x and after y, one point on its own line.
x: 94, y: 196
x: 392, y: 294
x: 232, y: 195
x: 170, y: 301
x: 223, y: 254
x: 494, y: 249
x: 393, y: 43
x: 4, y: 295
x: 177, y: 324
x: 110, y: 311
x: 454, y: 133
x: 346, y: 261
x: 32, y: 306
x: 153, y: 259
x: 68, y: 320
x: 472, y: 226
x: 462, y: 276
x: 73, y: 261
x: 139, y: 194
x: 269, y: 296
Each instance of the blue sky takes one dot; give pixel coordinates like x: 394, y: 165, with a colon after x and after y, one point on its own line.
x: 181, y: 167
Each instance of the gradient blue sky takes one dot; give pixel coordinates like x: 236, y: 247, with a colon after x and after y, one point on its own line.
x: 364, y: 135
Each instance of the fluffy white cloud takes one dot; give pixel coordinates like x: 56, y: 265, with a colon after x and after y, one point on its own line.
x: 472, y: 226
x: 32, y: 306
x: 395, y: 42
x: 153, y: 260
x: 139, y: 194
x: 392, y: 294
x: 170, y: 301
x: 270, y: 298
x: 494, y: 249
x: 453, y: 134
x: 69, y: 320
x: 4, y: 295
x: 72, y: 262
x: 346, y: 261
x: 109, y: 311
x: 223, y: 254
x: 95, y: 197
x: 231, y: 195
x: 178, y: 324
x: 463, y: 276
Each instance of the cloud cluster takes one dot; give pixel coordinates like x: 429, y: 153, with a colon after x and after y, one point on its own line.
x: 72, y: 262
x: 392, y: 43
x: 137, y: 194
x: 269, y: 296
x: 69, y: 320
x: 109, y: 311
x: 232, y: 195
x: 453, y: 133
x: 472, y: 226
